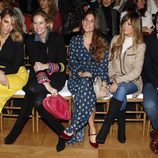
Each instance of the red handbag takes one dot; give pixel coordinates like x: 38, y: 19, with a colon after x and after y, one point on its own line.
x: 58, y: 107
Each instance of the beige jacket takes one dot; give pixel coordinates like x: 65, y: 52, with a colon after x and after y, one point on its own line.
x: 130, y: 68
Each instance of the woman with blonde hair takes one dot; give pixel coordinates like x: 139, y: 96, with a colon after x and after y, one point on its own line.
x: 10, y: 4
x: 13, y: 75
x: 125, y: 66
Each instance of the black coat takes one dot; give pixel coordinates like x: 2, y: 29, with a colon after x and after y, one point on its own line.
x: 150, y: 68
x: 11, y: 56
x: 51, y: 51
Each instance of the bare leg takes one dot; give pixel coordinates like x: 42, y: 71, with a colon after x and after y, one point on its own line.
x: 92, y: 129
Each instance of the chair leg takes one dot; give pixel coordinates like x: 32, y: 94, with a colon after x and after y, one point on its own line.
x: 33, y: 120
x: 71, y: 108
x: 148, y: 127
x: 144, y: 123
x: 1, y: 122
x: 111, y: 129
x: 37, y: 121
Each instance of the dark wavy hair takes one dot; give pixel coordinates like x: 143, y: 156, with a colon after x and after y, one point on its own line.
x: 52, y: 10
x: 98, y: 45
x: 143, y: 10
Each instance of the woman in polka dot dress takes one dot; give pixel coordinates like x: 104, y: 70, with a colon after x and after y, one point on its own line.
x: 88, y: 59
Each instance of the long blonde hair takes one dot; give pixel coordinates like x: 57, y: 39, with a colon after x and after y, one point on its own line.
x: 136, y: 22
x: 17, y: 32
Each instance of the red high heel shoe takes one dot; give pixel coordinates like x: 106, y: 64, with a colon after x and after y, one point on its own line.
x: 94, y: 145
x: 66, y: 136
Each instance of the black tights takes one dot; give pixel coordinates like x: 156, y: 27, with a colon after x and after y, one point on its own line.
x: 34, y: 98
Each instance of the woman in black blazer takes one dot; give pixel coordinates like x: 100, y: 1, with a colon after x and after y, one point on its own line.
x: 47, y: 75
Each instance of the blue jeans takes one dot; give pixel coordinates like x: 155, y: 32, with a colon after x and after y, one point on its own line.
x: 150, y: 95
x: 123, y: 90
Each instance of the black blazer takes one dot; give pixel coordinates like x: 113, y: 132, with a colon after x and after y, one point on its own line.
x: 51, y: 51
x: 11, y: 56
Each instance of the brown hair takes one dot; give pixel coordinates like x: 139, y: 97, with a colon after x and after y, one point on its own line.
x: 52, y: 9
x: 98, y: 45
x: 8, y: 3
x: 136, y: 22
x: 17, y: 32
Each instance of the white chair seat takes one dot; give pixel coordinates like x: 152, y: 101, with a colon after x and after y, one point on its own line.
x: 64, y: 92
x: 20, y: 92
x: 140, y: 96
x: 105, y: 98
x: 130, y: 96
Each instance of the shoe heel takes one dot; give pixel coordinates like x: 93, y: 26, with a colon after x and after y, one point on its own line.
x: 94, y: 145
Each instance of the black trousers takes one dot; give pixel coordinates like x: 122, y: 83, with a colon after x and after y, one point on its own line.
x: 35, y: 93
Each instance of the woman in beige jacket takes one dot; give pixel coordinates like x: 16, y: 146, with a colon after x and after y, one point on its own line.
x: 125, y: 66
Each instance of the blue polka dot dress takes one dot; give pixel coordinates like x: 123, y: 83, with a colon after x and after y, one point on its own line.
x: 82, y: 87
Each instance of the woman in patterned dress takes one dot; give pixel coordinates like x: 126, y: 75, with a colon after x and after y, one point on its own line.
x: 88, y: 59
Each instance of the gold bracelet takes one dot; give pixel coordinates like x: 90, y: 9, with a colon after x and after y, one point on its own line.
x: 62, y: 67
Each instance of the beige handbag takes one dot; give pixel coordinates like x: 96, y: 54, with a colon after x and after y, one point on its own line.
x: 97, y: 85
x: 97, y: 88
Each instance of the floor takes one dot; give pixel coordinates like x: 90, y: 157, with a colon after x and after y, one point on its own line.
x: 42, y: 144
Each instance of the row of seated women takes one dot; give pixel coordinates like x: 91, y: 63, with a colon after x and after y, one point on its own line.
x: 119, y: 65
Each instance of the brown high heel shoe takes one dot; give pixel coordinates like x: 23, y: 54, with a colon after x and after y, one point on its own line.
x: 94, y: 145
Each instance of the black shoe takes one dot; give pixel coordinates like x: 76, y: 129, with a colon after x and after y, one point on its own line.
x: 113, y: 111
x: 9, y: 140
x: 121, y: 137
x: 100, y: 139
x: 61, y: 145
x: 121, y: 127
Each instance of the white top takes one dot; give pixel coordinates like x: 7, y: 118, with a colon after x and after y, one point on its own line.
x: 151, y: 7
x: 146, y: 20
x: 127, y: 43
